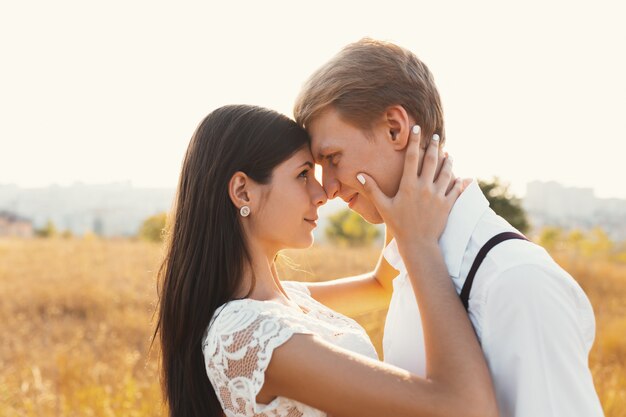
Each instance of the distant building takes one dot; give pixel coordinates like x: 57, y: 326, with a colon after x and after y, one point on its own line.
x: 13, y: 225
x: 552, y: 204
x: 108, y: 210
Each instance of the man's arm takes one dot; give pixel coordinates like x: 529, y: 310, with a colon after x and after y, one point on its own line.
x: 358, y: 294
x: 536, y: 334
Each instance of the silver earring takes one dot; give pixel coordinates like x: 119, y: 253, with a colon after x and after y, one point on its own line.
x: 244, y: 211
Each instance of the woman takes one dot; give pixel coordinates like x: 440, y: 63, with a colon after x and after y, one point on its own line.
x: 235, y: 339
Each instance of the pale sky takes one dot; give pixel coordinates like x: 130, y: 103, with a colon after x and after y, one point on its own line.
x: 109, y: 91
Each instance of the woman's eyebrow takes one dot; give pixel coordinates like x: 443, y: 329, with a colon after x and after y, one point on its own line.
x: 308, y: 163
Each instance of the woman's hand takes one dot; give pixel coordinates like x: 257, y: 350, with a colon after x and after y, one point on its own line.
x: 418, y: 213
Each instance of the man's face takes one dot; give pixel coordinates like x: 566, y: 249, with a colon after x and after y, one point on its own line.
x: 344, y: 150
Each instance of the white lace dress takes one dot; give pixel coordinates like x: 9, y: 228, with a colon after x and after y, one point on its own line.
x: 239, y: 342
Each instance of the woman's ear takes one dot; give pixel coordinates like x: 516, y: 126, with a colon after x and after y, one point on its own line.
x: 239, y: 189
x: 397, y: 122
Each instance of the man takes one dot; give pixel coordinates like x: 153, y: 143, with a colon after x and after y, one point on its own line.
x: 534, y: 322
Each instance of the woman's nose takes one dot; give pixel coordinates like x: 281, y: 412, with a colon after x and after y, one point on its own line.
x: 319, y: 195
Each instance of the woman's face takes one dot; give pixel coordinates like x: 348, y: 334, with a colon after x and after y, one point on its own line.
x: 287, y: 214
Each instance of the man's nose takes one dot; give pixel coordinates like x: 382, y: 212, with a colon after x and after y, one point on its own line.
x: 330, y: 184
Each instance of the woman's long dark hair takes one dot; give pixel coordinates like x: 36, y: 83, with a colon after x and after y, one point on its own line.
x: 205, y: 249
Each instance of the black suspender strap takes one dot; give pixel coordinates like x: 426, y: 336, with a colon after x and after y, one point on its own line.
x: 482, y: 253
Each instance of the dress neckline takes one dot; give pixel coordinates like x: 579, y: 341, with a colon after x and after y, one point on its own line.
x: 301, y: 309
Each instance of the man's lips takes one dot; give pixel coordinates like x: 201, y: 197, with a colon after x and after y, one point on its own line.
x: 353, y: 199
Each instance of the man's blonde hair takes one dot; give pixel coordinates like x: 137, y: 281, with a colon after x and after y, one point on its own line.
x: 364, y: 79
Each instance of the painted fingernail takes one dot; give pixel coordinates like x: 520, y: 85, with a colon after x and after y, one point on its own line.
x: 416, y: 129
x: 436, y: 137
x: 361, y: 179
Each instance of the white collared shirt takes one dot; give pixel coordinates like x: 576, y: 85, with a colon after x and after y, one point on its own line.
x: 535, y: 324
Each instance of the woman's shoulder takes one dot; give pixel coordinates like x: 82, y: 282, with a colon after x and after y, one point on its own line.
x: 238, y: 346
x: 297, y: 287
x: 247, y: 320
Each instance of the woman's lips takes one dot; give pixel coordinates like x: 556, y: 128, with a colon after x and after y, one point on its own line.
x: 311, y: 222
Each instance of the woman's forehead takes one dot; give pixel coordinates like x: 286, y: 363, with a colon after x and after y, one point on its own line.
x: 298, y: 159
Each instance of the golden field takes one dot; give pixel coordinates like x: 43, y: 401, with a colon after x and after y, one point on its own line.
x: 76, y: 318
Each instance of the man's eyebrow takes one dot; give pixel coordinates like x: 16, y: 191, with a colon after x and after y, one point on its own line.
x: 322, y: 151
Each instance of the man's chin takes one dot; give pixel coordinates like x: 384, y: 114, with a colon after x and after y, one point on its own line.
x: 371, y: 217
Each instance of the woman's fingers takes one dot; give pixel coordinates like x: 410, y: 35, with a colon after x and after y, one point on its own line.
x: 455, y: 192
x: 441, y: 158
x: 429, y: 167
x: 412, y: 157
x: 443, y: 180
x: 451, y: 183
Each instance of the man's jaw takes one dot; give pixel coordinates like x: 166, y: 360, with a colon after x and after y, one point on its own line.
x: 353, y: 199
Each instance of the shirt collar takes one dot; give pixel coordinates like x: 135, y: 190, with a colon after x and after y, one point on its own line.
x: 465, y: 214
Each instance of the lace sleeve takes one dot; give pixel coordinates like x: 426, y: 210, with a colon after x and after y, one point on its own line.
x: 238, y: 348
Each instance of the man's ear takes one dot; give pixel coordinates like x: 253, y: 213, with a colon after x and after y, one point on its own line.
x: 239, y: 189
x: 398, y: 125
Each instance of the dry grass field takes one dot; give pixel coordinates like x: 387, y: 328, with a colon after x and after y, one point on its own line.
x: 76, y: 321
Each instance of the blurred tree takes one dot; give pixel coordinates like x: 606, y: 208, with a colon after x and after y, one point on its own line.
x: 153, y: 227
x: 594, y: 243
x: 597, y: 243
x: 347, y: 228
x: 575, y: 240
x: 49, y: 230
x: 619, y: 254
x: 551, y: 237
x: 504, y: 203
